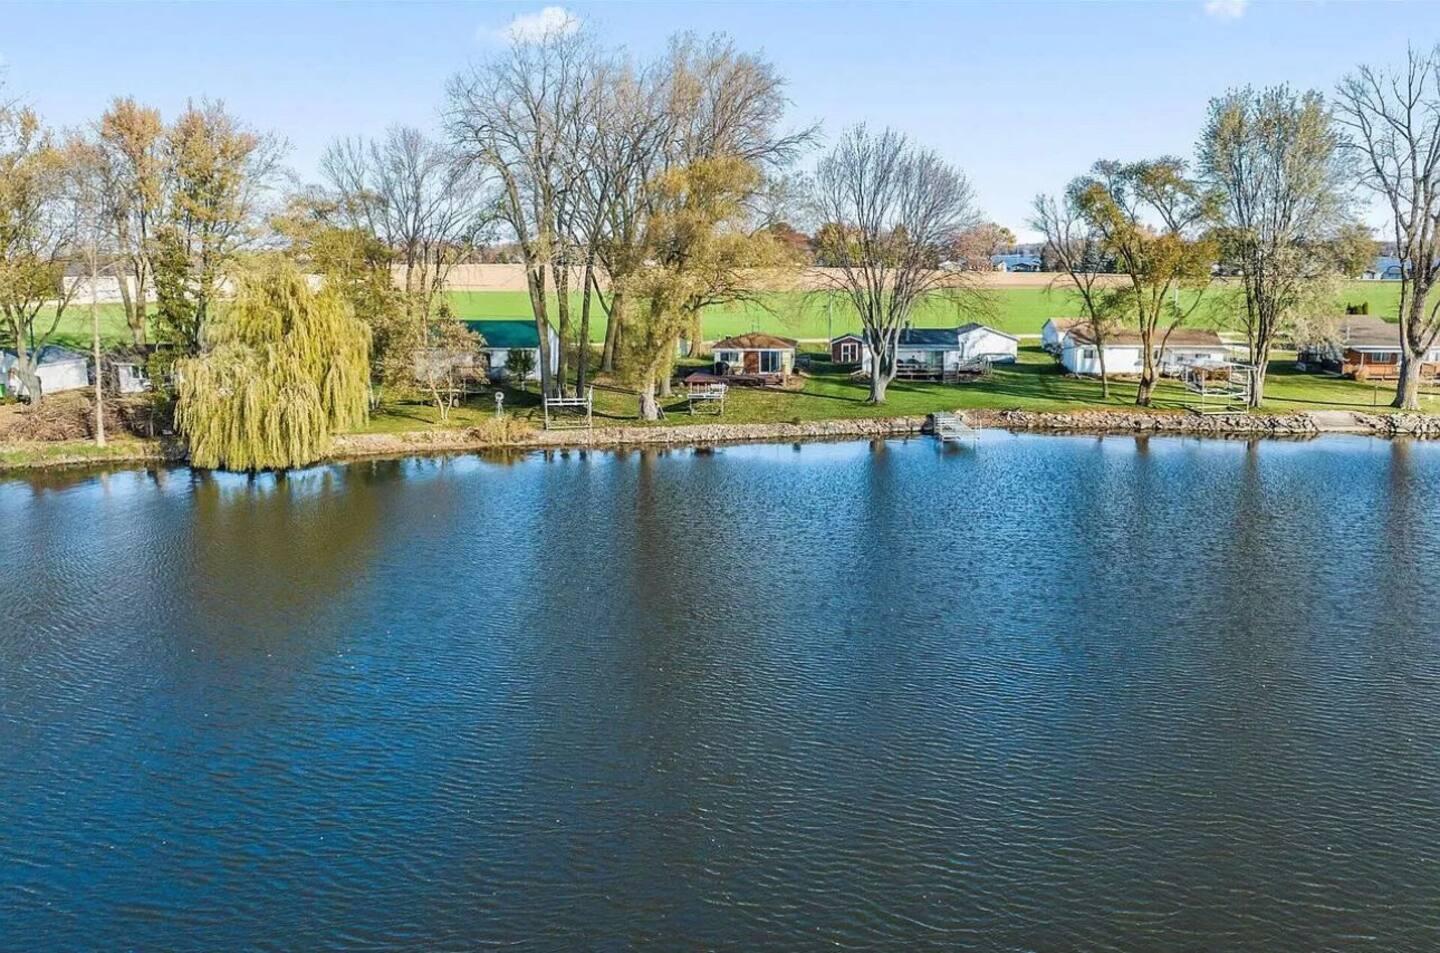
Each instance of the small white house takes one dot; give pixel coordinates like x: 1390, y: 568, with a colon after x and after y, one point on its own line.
x: 935, y: 352
x: 1124, y: 353
x: 517, y: 334
x: 58, y: 368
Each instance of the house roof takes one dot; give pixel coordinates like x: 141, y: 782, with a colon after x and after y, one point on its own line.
x: 51, y: 354
x: 848, y: 336
x: 930, y: 337
x: 1179, y: 337
x: 1064, y: 324
x: 974, y: 326
x: 756, y: 342
x: 507, y: 332
x: 1367, y: 331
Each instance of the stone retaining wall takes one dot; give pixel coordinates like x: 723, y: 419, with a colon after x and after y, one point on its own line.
x: 1143, y: 421
x: 368, y: 445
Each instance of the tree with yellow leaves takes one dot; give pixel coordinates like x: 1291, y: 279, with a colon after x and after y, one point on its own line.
x: 286, y: 368
x: 700, y: 251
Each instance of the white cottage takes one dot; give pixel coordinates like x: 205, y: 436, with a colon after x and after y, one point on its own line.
x: 58, y: 368
x: 1124, y: 353
x: 935, y: 352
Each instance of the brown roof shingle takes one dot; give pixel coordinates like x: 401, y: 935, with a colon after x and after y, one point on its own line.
x: 1178, y: 337
x: 756, y: 341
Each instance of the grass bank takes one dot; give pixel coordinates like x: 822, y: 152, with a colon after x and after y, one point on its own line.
x: 1034, y: 383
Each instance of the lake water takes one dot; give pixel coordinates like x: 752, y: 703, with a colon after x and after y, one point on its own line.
x: 1043, y: 694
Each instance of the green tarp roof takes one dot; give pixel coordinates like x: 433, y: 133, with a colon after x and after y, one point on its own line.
x: 506, y: 332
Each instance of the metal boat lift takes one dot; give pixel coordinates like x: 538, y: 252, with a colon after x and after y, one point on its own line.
x: 952, y: 428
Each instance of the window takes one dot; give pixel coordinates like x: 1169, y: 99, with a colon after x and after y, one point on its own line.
x: 769, y: 362
x: 849, y: 352
x: 1087, y: 354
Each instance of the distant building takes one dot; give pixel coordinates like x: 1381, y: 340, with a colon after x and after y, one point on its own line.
x: 1385, y: 268
x: 1016, y: 262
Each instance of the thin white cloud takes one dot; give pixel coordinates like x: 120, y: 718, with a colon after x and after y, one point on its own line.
x: 534, y: 27
x: 1226, y: 9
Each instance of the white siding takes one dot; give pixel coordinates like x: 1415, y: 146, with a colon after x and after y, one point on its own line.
x: 984, y: 342
x: 1081, y: 358
x: 1050, y: 335
x: 54, y: 377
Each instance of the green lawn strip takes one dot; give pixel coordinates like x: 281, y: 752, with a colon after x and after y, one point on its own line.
x: 1035, y: 383
x: 811, y: 317
x: 77, y: 453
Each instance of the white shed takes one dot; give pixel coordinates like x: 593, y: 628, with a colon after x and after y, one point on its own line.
x: 58, y: 368
x: 1053, y: 331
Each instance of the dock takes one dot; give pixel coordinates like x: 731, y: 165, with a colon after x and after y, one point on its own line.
x: 952, y: 428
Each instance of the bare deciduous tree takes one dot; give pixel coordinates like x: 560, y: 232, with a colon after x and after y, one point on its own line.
x: 1079, y: 251
x: 892, y: 206
x: 40, y: 219
x: 517, y: 117
x: 413, y: 195
x: 1394, y: 120
x: 1148, y: 213
x: 129, y: 140
x: 1274, y: 157
x: 218, y: 173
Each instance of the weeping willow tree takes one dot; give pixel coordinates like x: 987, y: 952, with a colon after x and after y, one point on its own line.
x: 285, y: 368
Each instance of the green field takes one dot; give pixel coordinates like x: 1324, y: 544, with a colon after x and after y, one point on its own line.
x: 1036, y: 383
x: 810, y: 317
x: 816, y: 317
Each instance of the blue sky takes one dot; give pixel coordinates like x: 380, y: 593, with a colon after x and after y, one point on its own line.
x: 1022, y: 95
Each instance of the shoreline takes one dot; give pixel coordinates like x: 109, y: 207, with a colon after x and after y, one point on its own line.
x: 1138, y: 422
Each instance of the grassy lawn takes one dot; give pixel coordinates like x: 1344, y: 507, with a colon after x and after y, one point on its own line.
x: 813, y: 317
x: 1035, y: 383
x: 810, y: 316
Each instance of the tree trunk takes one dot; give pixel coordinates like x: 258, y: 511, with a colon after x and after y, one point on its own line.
x: 26, y: 371
x: 99, y: 372
x: 649, y: 406
x: 1104, y: 376
x: 878, y: 383
x: 562, y: 305
x: 612, y: 331
x: 134, y: 311
x: 582, y: 369
x: 535, y: 278
x: 1407, y: 388
x: 1147, y: 377
x: 1260, y: 361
